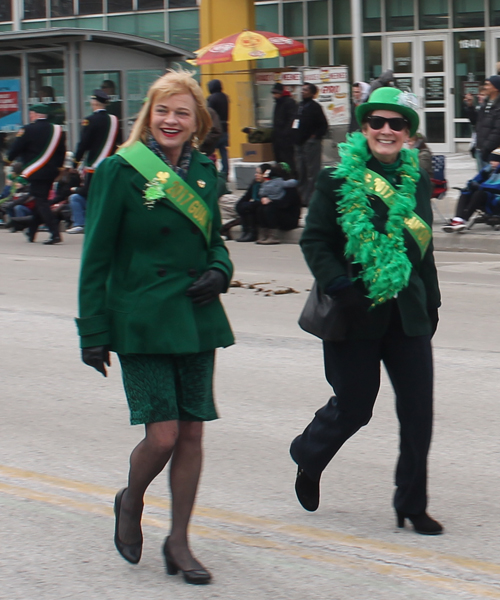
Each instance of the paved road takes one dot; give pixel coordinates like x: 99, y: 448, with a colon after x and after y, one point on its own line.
x: 65, y: 442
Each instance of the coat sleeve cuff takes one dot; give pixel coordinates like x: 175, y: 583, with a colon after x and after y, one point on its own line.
x: 92, y: 325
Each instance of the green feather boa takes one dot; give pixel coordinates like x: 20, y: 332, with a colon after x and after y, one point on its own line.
x: 385, y: 265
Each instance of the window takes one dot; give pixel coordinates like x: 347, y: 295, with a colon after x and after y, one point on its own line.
x: 342, y: 53
x: 115, y: 6
x: 5, y: 10
x: 494, y: 12
x: 293, y: 19
x: 341, y: 16
x: 317, y: 18
x: 184, y: 29
x: 468, y: 13
x: 399, y: 15
x: 181, y: 3
x: 371, y: 16
x: 35, y: 9
x: 433, y: 14
x: 138, y: 84
x: 319, y: 53
x: 266, y: 18
x: 469, y: 63
x: 149, y: 4
x: 90, y: 7
x: 61, y: 8
x: 146, y: 25
x: 372, y: 47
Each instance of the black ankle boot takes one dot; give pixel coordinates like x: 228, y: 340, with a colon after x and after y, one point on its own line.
x: 307, y: 490
x: 422, y: 523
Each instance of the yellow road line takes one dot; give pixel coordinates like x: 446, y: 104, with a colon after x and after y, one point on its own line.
x: 352, y: 563
x: 238, y: 519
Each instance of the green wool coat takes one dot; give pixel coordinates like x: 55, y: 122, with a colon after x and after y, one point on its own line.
x: 137, y: 264
x: 323, y: 243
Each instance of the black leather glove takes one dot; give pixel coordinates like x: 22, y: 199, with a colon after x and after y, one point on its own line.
x: 97, y: 357
x: 434, y: 317
x: 474, y: 185
x: 207, y: 288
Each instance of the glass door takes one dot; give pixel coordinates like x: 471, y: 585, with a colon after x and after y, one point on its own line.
x: 435, y: 117
x: 420, y: 66
x: 402, y: 60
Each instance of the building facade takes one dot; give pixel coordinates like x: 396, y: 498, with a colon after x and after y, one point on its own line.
x: 439, y: 49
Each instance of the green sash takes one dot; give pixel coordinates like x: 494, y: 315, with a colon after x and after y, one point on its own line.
x: 415, y: 225
x: 169, y: 185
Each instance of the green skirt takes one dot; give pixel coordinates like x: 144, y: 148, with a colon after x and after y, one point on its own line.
x: 169, y: 387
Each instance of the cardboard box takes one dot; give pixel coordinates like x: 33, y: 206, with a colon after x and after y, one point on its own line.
x: 257, y: 153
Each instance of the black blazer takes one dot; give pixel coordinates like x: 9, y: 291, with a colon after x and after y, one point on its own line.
x: 30, y: 144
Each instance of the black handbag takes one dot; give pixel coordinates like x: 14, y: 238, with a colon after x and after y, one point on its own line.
x: 323, y: 317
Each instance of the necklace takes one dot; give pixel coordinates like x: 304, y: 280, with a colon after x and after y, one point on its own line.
x: 385, y: 266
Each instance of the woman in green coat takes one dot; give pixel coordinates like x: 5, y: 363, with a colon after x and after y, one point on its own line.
x: 153, y: 267
x: 368, y: 243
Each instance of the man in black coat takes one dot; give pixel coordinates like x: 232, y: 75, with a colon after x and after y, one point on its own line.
x: 285, y: 111
x: 41, y: 146
x: 487, y: 121
x: 310, y: 126
x: 99, y: 136
x: 219, y: 102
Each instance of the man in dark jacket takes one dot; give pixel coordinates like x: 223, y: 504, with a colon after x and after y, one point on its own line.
x: 99, y: 136
x: 310, y: 126
x: 285, y: 111
x: 487, y: 121
x: 220, y: 103
x: 41, y: 146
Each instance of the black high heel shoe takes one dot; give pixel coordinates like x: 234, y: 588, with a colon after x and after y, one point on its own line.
x: 130, y: 552
x: 307, y: 490
x: 422, y: 523
x: 194, y: 576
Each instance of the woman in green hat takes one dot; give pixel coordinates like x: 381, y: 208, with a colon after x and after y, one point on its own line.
x: 153, y: 267
x: 368, y: 243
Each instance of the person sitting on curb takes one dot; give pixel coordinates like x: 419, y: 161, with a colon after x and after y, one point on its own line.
x: 272, y: 194
x: 484, y: 187
x: 248, y: 204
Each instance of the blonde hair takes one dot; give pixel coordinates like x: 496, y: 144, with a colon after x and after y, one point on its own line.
x: 172, y: 83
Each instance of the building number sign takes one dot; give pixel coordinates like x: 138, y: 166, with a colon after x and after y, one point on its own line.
x: 469, y: 43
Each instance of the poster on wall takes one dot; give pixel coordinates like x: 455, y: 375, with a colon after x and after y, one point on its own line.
x: 10, y: 105
x: 333, y: 92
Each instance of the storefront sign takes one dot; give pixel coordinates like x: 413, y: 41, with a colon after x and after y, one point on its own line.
x: 326, y: 75
x: 287, y: 78
x: 405, y: 84
x: 10, y: 110
x: 334, y: 98
x: 471, y: 87
x: 434, y: 91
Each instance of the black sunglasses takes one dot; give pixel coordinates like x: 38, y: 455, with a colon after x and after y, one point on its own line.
x: 395, y: 123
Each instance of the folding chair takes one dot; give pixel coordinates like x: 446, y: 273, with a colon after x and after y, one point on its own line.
x: 439, y: 182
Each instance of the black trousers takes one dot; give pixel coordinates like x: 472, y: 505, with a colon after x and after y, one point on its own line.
x: 353, y: 370
x: 469, y: 203
x: 42, y: 214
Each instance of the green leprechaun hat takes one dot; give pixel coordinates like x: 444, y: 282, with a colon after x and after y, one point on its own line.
x: 390, y: 98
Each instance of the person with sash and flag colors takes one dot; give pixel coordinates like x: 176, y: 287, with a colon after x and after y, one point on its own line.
x: 153, y: 267
x: 41, y: 146
x: 98, y: 140
x: 368, y: 243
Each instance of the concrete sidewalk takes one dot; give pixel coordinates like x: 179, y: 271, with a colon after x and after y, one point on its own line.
x: 481, y: 238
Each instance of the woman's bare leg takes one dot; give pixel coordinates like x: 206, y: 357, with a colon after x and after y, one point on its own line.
x: 185, y: 472
x: 148, y: 459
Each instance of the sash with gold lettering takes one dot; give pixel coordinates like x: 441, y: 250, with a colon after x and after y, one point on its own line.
x: 175, y: 189
x: 415, y: 225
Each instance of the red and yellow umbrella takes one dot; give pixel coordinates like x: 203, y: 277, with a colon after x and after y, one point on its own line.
x: 247, y: 45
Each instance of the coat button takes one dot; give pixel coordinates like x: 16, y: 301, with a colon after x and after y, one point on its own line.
x: 162, y: 272
x: 192, y: 273
x: 165, y: 230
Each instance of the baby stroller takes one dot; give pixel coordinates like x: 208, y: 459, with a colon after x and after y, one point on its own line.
x: 439, y: 182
